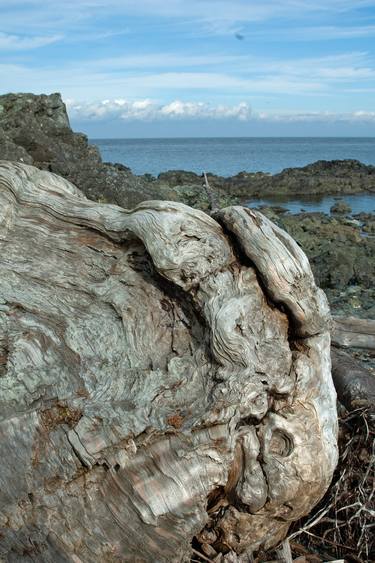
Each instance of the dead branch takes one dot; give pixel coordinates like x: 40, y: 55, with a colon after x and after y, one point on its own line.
x: 211, y: 195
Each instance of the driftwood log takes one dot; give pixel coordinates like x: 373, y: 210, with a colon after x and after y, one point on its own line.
x: 164, y: 379
x: 355, y: 385
x: 350, y: 332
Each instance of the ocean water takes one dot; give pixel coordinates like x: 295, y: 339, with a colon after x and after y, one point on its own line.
x: 357, y: 202
x: 228, y: 156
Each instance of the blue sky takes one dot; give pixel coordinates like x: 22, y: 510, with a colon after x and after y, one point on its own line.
x: 134, y: 68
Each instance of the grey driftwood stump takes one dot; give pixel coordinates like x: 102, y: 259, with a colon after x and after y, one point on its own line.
x: 164, y: 378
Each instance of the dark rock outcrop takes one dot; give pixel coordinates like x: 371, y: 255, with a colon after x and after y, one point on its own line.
x: 321, y: 177
x: 36, y: 130
x: 341, y: 208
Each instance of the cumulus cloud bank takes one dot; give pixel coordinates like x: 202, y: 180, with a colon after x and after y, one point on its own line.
x: 149, y: 110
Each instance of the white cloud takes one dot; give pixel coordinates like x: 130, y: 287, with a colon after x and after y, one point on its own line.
x: 216, y: 11
x: 150, y: 110
x: 10, y: 42
x: 158, y: 60
x: 330, y: 32
x: 177, y: 108
x: 186, y: 75
x: 319, y: 116
x: 346, y: 65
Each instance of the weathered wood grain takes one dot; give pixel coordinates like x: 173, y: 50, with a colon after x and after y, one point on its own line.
x: 355, y: 385
x: 350, y: 332
x: 161, y: 378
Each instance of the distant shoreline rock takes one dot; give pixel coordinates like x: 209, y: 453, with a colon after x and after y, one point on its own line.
x: 35, y: 129
x: 341, y: 208
x: 335, y: 177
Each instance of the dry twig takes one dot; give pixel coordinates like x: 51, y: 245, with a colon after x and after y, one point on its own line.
x: 343, y: 520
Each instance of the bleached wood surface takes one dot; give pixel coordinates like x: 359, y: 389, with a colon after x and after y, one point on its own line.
x: 163, y: 375
x: 355, y: 385
x: 353, y: 332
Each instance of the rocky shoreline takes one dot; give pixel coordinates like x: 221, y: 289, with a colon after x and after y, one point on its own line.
x: 35, y: 130
x: 336, y: 177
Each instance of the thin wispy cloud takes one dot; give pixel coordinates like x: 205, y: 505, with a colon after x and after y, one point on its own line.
x: 219, y: 15
x: 9, y: 42
x: 320, y: 117
x: 330, y: 32
x: 155, y: 74
x: 312, y: 34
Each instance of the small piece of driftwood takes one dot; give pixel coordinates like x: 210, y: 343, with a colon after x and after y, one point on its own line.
x: 354, y: 384
x: 351, y: 332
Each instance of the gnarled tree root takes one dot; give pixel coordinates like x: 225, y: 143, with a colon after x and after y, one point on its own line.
x: 164, y: 376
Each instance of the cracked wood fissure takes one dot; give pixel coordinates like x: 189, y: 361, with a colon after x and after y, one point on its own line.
x: 164, y: 375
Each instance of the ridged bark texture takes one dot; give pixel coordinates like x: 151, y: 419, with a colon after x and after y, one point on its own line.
x: 164, y: 376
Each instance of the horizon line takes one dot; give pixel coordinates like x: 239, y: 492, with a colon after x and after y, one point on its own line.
x: 234, y: 137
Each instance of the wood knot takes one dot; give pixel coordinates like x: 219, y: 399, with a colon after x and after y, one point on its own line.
x: 175, y: 420
x: 60, y: 414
